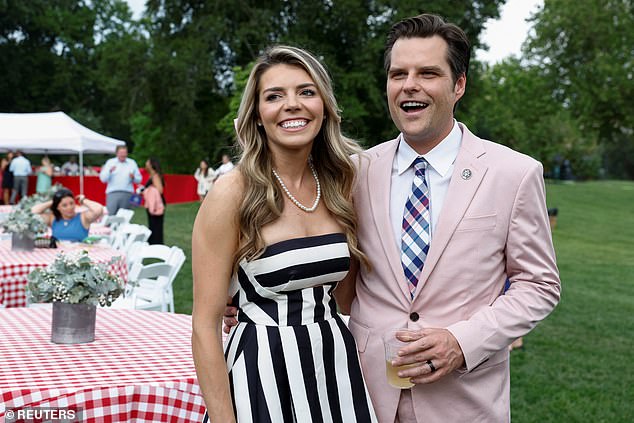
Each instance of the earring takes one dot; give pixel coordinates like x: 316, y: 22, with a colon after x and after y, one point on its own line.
x: 259, y: 123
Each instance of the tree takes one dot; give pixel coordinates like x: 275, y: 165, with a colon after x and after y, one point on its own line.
x: 45, y: 54
x: 348, y: 35
x: 586, y: 47
x: 515, y: 107
x: 164, y: 83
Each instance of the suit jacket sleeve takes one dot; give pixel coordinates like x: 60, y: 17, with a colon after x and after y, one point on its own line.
x: 532, y: 271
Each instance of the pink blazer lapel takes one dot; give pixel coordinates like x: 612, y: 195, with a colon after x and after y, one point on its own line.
x: 379, y: 181
x: 467, y: 175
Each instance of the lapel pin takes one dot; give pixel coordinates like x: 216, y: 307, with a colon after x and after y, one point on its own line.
x: 466, y: 174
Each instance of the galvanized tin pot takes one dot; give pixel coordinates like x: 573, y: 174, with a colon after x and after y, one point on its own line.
x: 73, y: 323
x: 22, y: 241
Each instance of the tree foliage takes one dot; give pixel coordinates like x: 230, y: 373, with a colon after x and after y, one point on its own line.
x: 171, y: 82
x: 515, y: 107
x: 587, y: 48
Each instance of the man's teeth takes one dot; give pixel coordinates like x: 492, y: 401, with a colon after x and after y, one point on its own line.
x: 294, y: 123
x: 413, y: 104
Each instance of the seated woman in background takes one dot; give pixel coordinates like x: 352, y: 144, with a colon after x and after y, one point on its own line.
x: 65, y: 222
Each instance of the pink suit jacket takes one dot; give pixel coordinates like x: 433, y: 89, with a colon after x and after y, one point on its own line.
x: 493, y: 225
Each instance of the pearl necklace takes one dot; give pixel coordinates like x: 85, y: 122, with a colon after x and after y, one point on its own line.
x: 293, y: 199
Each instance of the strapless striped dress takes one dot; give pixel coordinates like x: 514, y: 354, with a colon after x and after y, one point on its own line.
x: 291, y: 358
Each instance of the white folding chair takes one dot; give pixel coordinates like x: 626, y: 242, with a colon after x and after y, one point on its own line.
x: 135, y: 253
x: 127, y: 234
x: 113, y: 222
x: 174, y: 256
x: 151, y: 292
x: 177, y: 259
x: 126, y: 214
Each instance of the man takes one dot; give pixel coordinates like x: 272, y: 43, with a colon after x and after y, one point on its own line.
x: 225, y: 167
x: 119, y: 173
x: 70, y: 168
x: 445, y: 217
x: 443, y: 234
x: 21, y: 168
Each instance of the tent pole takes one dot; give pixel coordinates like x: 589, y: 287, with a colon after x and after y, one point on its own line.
x: 81, y: 172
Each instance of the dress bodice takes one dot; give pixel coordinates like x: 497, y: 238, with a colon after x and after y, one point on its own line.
x: 292, y: 281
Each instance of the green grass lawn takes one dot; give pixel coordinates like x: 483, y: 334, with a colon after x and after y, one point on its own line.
x: 576, y: 364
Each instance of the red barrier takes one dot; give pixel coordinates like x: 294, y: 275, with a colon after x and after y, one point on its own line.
x: 178, y: 188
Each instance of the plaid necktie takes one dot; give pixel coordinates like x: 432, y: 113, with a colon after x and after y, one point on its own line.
x: 416, y: 233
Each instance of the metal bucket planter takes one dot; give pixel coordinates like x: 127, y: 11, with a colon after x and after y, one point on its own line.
x: 22, y: 241
x: 73, y: 323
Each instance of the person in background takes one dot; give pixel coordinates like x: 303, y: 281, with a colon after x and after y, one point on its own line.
x: 4, y: 163
x: 70, y: 168
x: 61, y: 215
x: 278, y: 241
x: 120, y: 174
x: 7, y: 177
x: 205, y: 176
x: 44, y: 176
x: 154, y: 200
x: 21, y: 168
x: 225, y: 167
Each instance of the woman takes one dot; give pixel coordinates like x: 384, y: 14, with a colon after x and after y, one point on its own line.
x: 7, y: 178
x: 3, y: 164
x: 154, y: 200
x: 66, y: 223
x: 205, y: 176
x: 277, y: 233
x: 44, y: 176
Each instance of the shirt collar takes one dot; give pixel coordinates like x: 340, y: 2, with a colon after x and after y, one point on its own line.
x: 440, y: 157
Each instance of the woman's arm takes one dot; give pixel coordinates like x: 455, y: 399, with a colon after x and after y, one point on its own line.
x: 94, y: 211
x: 346, y: 290
x: 214, y: 243
x: 41, y: 209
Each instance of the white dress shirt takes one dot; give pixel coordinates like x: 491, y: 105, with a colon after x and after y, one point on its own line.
x: 440, y: 161
x: 224, y: 168
x: 20, y: 166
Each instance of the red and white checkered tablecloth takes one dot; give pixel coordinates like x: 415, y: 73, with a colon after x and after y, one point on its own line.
x: 139, y: 368
x: 16, y: 265
x: 95, y: 229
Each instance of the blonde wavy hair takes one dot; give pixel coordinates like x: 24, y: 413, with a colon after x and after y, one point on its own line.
x: 263, y: 198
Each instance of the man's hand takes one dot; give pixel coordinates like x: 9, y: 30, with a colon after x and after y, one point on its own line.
x: 230, y: 316
x: 112, y: 169
x: 435, y: 345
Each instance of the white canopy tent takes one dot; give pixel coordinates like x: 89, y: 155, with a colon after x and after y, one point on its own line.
x: 52, y: 133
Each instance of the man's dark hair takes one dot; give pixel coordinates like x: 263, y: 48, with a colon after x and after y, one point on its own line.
x: 119, y: 147
x: 426, y: 26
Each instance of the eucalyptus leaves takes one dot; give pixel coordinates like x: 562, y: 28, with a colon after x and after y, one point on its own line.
x: 23, y: 221
x: 74, y: 279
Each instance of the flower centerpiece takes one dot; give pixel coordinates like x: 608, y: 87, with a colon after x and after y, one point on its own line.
x: 75, y: 285
x: 23, y: 226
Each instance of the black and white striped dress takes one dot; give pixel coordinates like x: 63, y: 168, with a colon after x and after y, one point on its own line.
x: 291, y: 358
